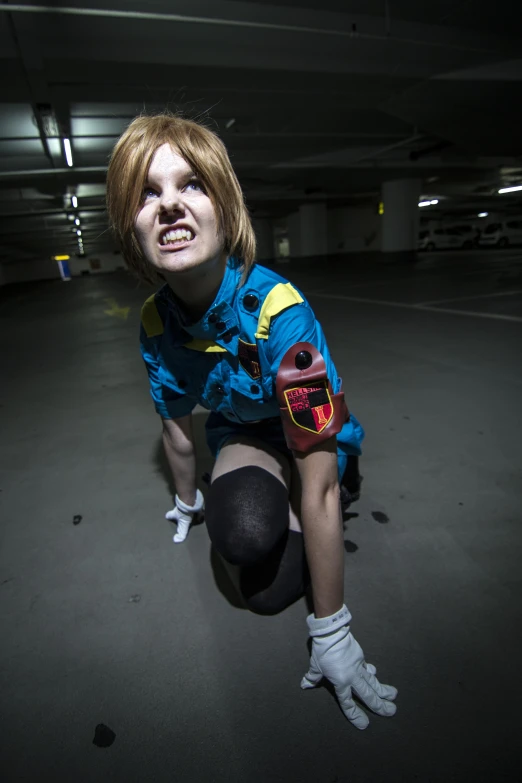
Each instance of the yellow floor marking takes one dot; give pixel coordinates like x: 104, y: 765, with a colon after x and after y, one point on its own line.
x: 116, y: 310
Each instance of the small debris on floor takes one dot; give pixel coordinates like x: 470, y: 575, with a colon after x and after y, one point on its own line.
x: 135, y: 599
x: 103, y: 736
x: 380, y: 516
x: 77, y: 518
x: 406, y: 417
x: 461, y: 504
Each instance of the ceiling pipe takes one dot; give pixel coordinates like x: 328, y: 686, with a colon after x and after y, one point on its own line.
x: 51, y: 172
x: 438, y: 147
x: 43, y: 212
x: 388, y: 148
x: 185, y: 19
x: 242, y: 135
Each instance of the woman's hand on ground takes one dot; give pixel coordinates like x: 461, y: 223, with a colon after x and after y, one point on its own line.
x: 183, y: 515
x: 183, y: 522
x: 338, y: 657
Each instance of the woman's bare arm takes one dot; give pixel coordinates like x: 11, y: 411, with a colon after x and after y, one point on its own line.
x: 178, y: 441
x: 321, y: 521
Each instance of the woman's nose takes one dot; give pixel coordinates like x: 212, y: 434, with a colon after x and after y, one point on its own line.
x: 170, y: 201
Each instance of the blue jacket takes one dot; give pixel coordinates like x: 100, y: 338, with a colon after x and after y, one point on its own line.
x: 228, y: 361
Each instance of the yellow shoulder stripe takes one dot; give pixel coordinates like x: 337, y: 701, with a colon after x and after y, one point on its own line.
x: 150, y: 318
x: 207, y: 346
x: 282, y: 296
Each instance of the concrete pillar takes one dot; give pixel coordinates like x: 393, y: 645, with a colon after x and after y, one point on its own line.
x: 308, y: 231
x: 265, y: 238
x: 400, y: 222
x: 294, y: 234
x: 353, y: 229
x: 314, y: 232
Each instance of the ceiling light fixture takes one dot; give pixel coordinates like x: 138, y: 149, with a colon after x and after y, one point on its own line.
x: 510, y: 190
x: 428, y: 203
x: 48, y: 119
x: 483, y: 214
x: 68, y: 152
x: 79, y: 233
x: 74, y: 201
x: 230, y: 122
x: 77, y: 221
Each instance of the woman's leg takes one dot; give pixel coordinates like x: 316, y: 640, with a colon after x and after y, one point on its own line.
x: 351, y: 482
x: 253, y: 525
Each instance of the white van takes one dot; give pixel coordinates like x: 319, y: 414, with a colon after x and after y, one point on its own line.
x: 444, y: 238
x: 501, y: 234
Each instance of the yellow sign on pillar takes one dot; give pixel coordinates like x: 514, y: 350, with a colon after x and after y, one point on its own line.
x: 61, y: 258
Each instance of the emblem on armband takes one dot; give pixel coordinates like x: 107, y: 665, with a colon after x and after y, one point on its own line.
x: 311, y: 406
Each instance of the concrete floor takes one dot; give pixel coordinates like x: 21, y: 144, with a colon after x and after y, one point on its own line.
x: 109, y: 622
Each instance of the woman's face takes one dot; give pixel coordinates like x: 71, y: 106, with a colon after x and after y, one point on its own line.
x: 176, y: 225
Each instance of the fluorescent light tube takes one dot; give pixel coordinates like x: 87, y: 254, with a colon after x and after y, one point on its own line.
x: 510, y: 190
x: 68, y: 152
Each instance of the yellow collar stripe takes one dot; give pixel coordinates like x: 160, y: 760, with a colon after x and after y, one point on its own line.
x: 207, y: 346
x: 150, y: 318
x: 282, y: 296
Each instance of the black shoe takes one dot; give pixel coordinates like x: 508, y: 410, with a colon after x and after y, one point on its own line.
x: 349, y: 496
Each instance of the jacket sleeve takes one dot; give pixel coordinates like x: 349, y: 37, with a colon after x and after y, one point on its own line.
x: 308, y: 389
x: 169, y: 400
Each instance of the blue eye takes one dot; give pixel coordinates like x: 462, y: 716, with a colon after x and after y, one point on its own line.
x: 148, y: 192
x: 195, y: 184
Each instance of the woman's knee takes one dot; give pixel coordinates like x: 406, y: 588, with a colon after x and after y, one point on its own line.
x: 247, y: 512
x: 281, y: 580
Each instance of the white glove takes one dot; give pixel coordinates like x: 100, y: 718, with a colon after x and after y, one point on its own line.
x: 183, y: 515
x: 337, y: 656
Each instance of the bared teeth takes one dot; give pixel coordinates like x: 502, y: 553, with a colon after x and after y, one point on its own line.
x: 177, y: 235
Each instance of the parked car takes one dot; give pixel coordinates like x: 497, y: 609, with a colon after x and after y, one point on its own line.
x: 444, y: 238
x: 501, y: 234
x: 469, y: 232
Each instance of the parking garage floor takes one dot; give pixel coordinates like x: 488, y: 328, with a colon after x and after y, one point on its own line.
x: 106, y: 621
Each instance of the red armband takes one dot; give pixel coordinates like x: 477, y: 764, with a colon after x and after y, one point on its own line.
x: 310, y: 412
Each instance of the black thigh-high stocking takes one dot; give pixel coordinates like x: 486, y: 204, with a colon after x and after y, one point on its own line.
x: 247, y: 517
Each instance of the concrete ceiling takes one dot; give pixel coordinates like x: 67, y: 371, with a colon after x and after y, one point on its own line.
x: 326, y: 104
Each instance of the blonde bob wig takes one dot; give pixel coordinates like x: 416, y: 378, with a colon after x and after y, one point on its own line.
x: 208, y: 158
